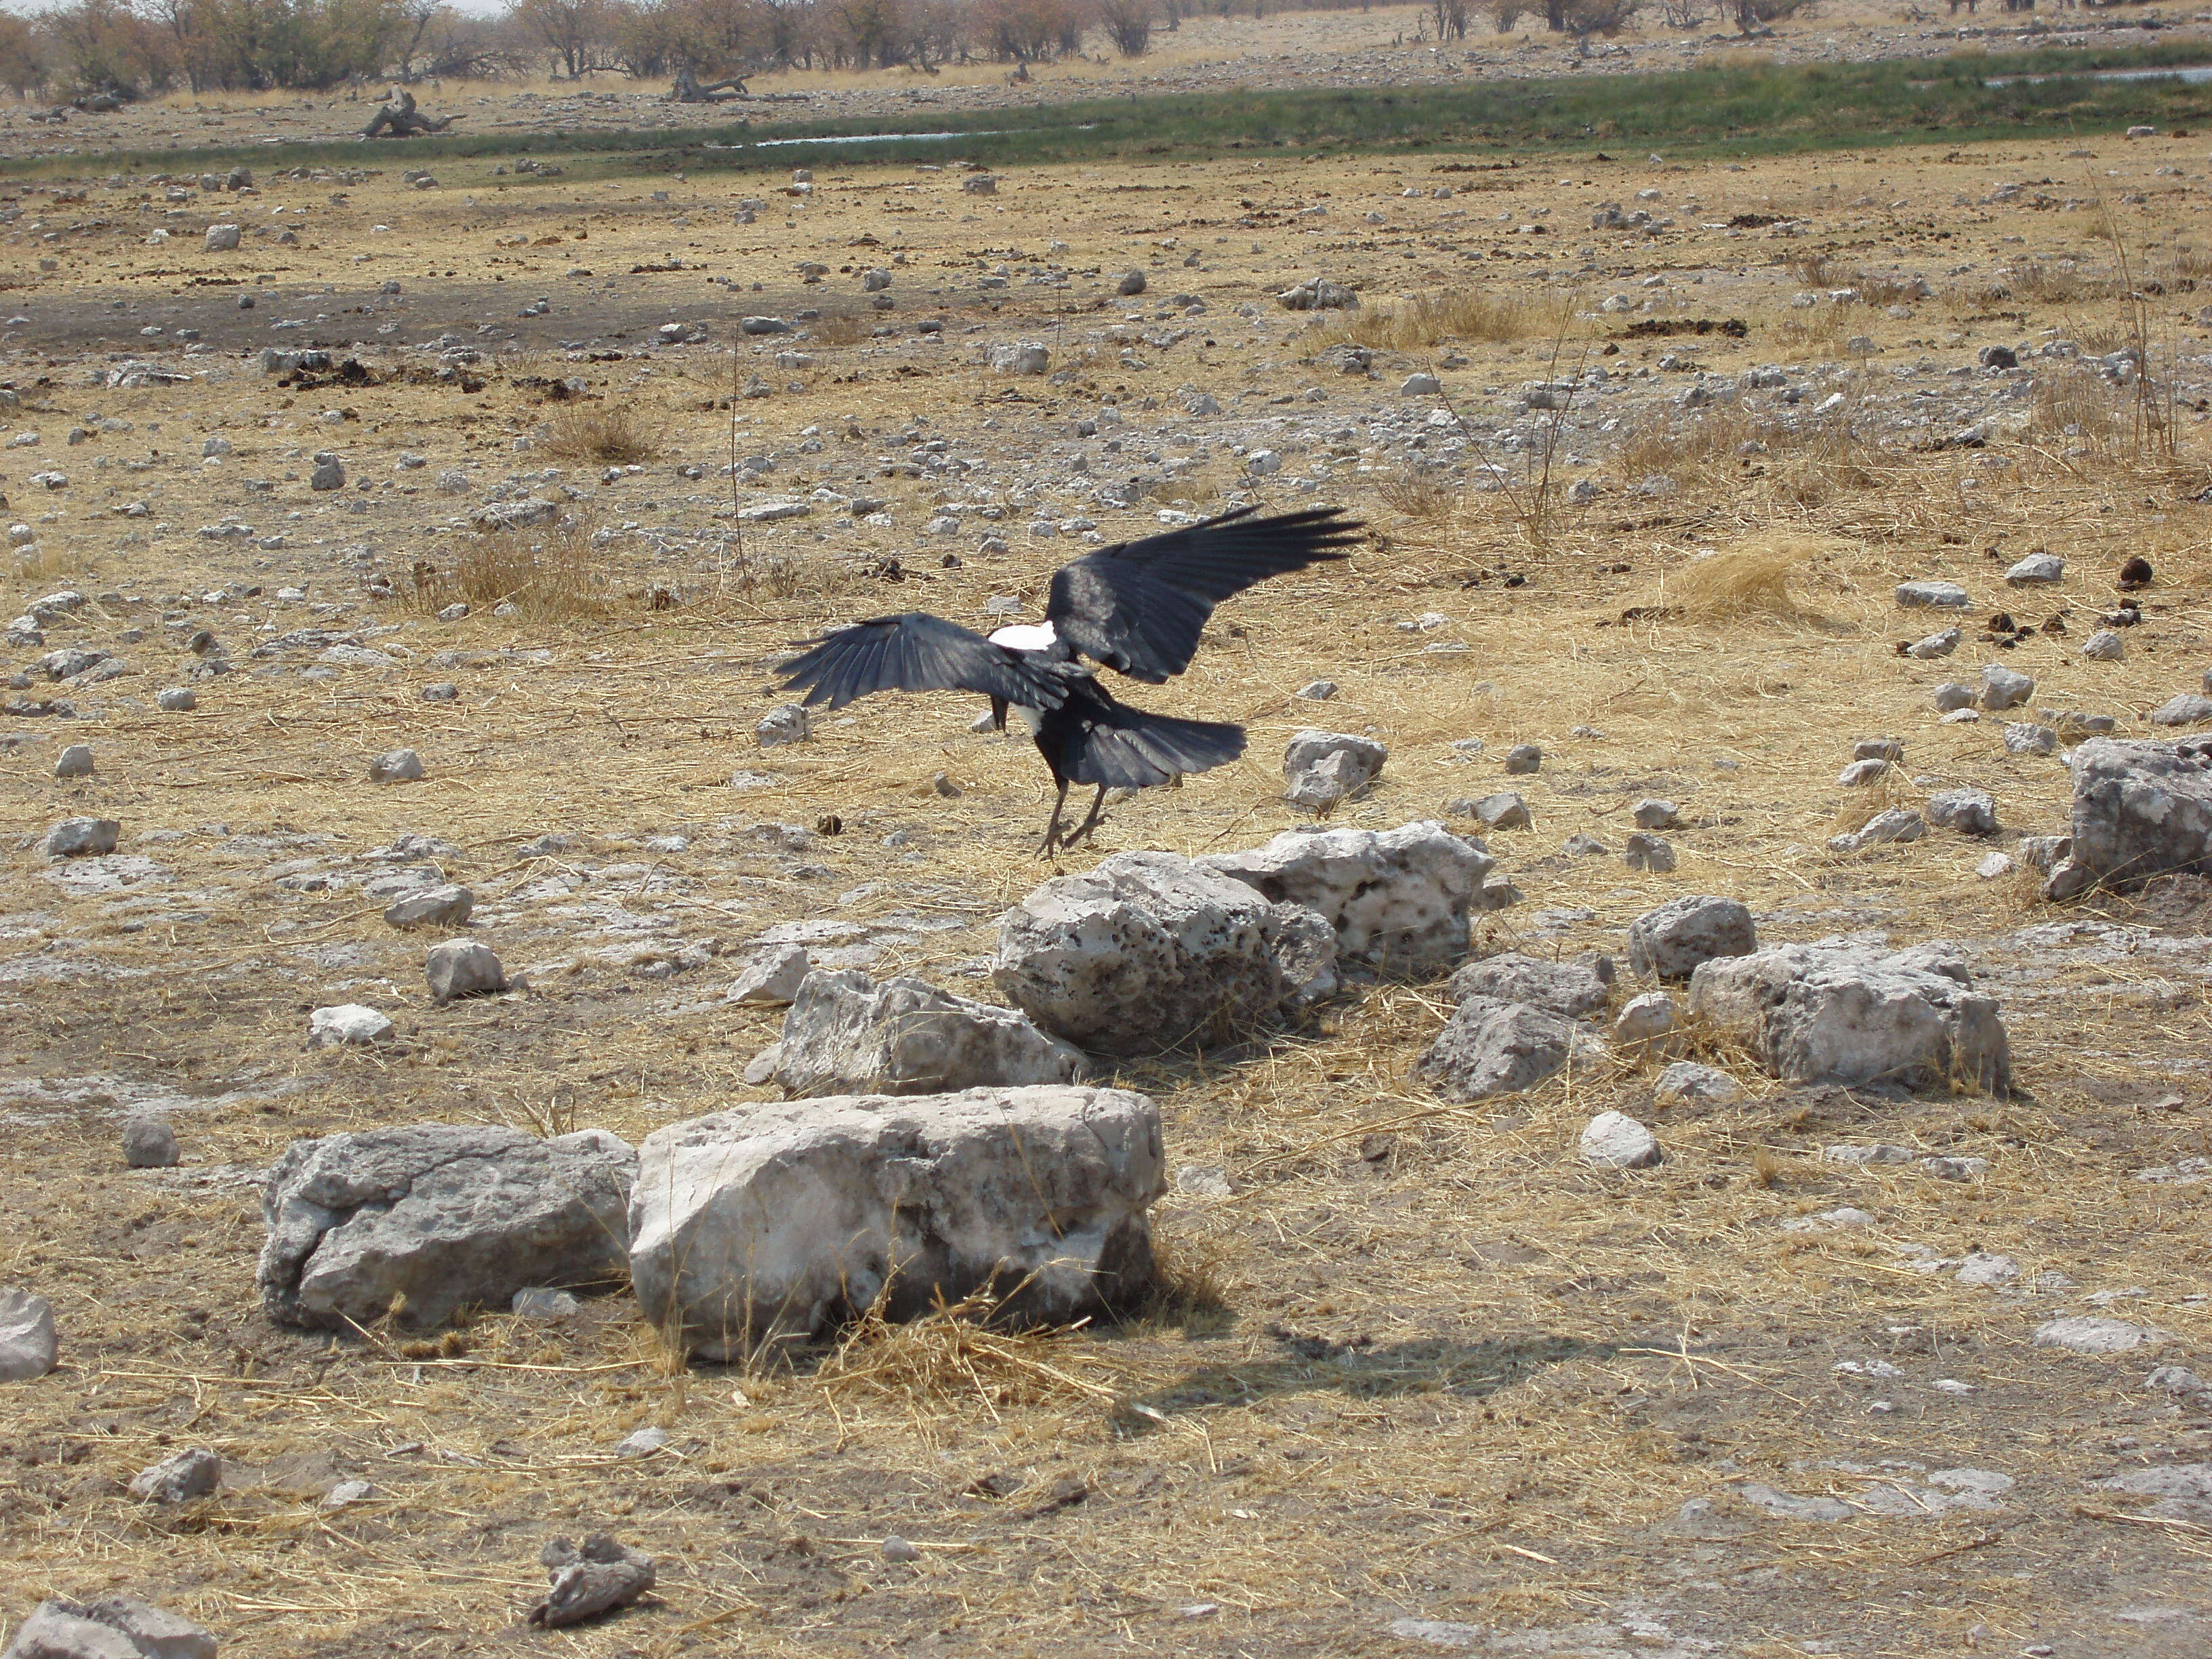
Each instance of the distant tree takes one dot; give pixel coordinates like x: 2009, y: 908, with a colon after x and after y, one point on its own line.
x: 1607, y: 18
x: 22, y: 56
x: 1753, y: 16
x: 1450, y: 18
x: 1505, y: 14
x: 1129, y: 25
x: 576, y: 32
x: 103, y: 46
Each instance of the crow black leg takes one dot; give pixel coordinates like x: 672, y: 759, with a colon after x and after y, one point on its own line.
x: 1083, y: 830
x: 1052, y: 837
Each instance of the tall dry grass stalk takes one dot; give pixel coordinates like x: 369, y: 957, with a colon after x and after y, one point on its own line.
x: 549, y: 576
x: 602, y: 434
x: 1428, y: 319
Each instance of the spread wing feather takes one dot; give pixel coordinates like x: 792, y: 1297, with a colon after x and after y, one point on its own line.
x: 1139, y: 606
x: 1094, y: 740
x: 915, y: 652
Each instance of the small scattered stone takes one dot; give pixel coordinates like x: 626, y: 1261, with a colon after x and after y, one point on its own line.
x: 1652, y: 853
x: 463, y: 967
x: 346, y: 1023
x: 896, y: 1548
x: 1522, y: 759
x: 29, y: 1345
x: 1686, y: 1082
x: 83, y: 838
x: 643, y: 1443
x: 395, y: 766
x: 1614, y: 1141
x: 177, y: 700
x: 447, y: 905
x: 1130, y: 282
x: 1654, y: 813
x: 2036, y: 570
x: 1646, y: 1023
x: 1945, y: 596
x: 786, y: 723
x: 772, y: 979
x: 2177, y: 1379
x: 598, y: 1577
x: 149, y: 1143
x: 328, y: 473
x: 1317, y: 690
x: 2026, y: 737
x: 2104, y: 645
x: 180, y: 1478
x: 1505, y: 811
x: 1669, y: 943
x: 1583, y: 846
x: 1861, y: 773
x: 2189, y: 709
x: 1950, y: 698
x: 440, y: 691
x: 2093, y: 1334
x: 540, y: 1302
x: 73, y: 762
x: 1935, y: 645
x: 2004, y: 688
x: 348, y: 1492
x: 1969, y: 811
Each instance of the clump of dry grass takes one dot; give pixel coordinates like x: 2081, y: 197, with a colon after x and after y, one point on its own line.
x: 1419, y: 493
x: 548, y: 574
x: 1808, y: 459
x: 956, y: 1355
x: 605, y: 435
x: 839, y: 328
x: 1750, y: 578
x: 1456, y: 314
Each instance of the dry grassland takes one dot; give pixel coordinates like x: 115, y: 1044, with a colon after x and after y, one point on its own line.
x: 1418, y: 1363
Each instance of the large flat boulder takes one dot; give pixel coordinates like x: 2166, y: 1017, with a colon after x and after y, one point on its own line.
x: 1844, y: 1010
x: 2140, y: 809
x: 1398, y: 899
x: 444, y: 1216
x: 845, y: 1034
x: 762, y: 1223
x: 1150, y: 951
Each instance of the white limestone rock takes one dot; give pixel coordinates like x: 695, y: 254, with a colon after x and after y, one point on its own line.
x: 759, y: 1224
x: 440, y: 1217
x: 1614, y: 1141
x: 1321, y: 768
x: 1669, y: 943
x: 1397, y: 900
x: 1572, y: 988
x: 1150, y: 951
x: 1840, y: 1011
x: 1492, y: 1047
x: 845, y: 1034
x: 2140, y: 809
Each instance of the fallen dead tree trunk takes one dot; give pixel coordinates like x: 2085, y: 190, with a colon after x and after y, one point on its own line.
x: 397, y: 117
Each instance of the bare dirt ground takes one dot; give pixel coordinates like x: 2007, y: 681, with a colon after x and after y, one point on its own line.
x: 1385, y: 45
x: 1425, y: 1381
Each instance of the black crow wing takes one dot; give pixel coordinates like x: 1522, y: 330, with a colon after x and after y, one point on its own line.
x: 1139, y: 606
x: 1093, y: 738
x: 915, y: 652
